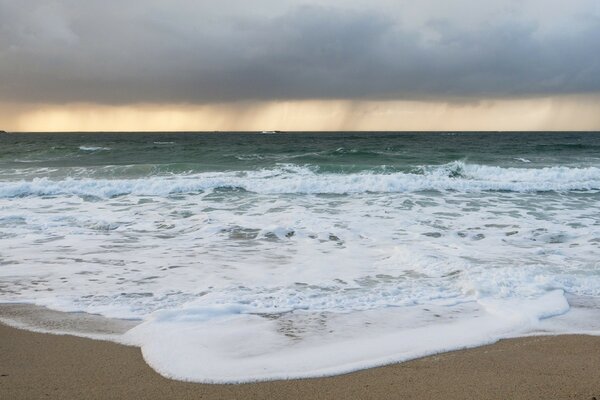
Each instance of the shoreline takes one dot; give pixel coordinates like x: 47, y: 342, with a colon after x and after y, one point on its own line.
x: 36, y: 365
x: 41, y: 319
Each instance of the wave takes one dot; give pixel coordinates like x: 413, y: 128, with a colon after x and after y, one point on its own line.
x: 93, y: 148
x: 292, y: 179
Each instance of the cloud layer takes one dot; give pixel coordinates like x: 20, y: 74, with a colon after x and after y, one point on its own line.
x: 110, y: 52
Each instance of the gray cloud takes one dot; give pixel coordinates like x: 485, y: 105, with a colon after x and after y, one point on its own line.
x: 180, y: 51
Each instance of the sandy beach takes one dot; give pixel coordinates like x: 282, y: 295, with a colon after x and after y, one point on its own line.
x: 34, y: 365
x: 300, y: 200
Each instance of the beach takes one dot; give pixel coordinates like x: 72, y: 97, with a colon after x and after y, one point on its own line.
x: 295, y: 200
x: 247, y: 257
x: 35, y: 365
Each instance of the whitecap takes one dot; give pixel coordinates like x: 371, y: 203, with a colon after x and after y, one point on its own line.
x: 293, y: 179
x: 93, y: 148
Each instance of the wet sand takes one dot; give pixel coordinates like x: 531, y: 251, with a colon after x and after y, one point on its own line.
x: 35, y: 366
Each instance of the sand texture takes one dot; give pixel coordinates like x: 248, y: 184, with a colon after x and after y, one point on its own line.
x: 36, y: 366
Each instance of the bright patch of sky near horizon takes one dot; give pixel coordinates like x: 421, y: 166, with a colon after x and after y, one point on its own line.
x: 67, y: 65
x: 549, y: 114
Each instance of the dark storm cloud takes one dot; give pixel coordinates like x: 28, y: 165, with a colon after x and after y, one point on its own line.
x: 63, y: 51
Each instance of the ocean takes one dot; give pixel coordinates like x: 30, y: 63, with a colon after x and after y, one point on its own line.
x: 248, y: 256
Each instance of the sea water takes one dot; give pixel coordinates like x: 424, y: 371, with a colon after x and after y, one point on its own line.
x: 251, y: 257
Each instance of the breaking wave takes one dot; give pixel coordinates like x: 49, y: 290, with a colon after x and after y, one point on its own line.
x: 292, y: 179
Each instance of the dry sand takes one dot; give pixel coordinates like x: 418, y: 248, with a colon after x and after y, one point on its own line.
x: 36, y: 366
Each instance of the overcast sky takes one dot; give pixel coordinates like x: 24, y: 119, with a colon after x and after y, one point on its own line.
x: 203, y: 52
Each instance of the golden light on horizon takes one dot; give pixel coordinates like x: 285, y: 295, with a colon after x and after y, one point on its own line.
x: 546, y: 114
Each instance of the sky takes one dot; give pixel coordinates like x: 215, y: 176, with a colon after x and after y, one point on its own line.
x: 299, y: 65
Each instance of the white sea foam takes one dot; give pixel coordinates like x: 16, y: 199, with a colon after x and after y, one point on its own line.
x: 293, y: 179
x: 229, y: 344
x: 267, y: 282
x: 93, y: 148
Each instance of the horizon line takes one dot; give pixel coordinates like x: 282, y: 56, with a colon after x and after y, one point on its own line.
x: 278, y: 132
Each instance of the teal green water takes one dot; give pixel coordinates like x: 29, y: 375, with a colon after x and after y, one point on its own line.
x: 142, y: 154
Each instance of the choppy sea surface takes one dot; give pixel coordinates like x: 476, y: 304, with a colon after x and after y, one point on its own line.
x: 264, y: 256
